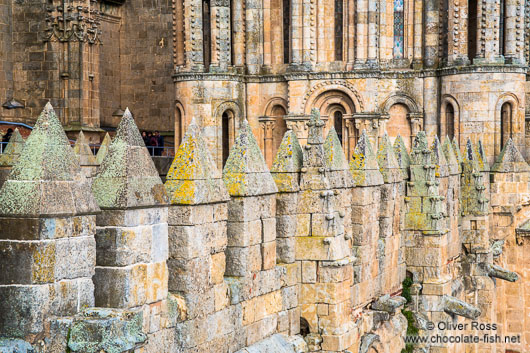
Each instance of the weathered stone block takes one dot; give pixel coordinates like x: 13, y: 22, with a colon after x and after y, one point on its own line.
x: 131, y: 286
x: 187, y: 242
x: 285, y: 250
x: 268, y: 229
x: 189, y: 276
x: 268, y: 255
x: 133, y: 217
x: 244, y: 233
x: 243, y: 261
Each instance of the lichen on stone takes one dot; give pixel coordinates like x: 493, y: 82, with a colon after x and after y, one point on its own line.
x: 335, y: 162
x: 473, y: 199
x: 388, y: 164
x: 402, y: 156
x: 103, y: 149
x: 287, y: 164
x: 481, y: 157
x: 13, y: 150
x: 193, y: 177
x: 83, y: 151
x: 363, y: 164
x: 46, y: 179
x: 439, y: 160
x: 453, y: 164
x: 245, y: 172
x: 510, y: 160
x: 128, y: 177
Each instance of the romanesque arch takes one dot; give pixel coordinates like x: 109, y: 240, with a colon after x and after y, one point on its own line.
x: 227, y: 116
x: 404, y: 117
x: 337, y: 103
x: 449, y: 118
x: 506, y: 123
x: 273, y: 126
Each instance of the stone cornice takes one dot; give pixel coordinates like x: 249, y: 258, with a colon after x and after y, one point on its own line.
x: 356, y: 74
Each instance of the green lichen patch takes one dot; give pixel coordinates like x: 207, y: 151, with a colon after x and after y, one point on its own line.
x: 402, y: 156
x: 456, y: 149
x: 12, y: 150
x: 510, y: 160
x: 46, y: 179
x: 473, y: 199
x: 481, y: 157
x: 103, y: 149
x: 453, y: 165
x: 193, y: 177
x: 388, y: 164
x: 334, y: 158
x: 128, y: 177
x: 106, y: 330
x: 245, y: 172
x: 287, y: 164
x: 439, y: 160
x: 363, y: 164
x: 83, y: 151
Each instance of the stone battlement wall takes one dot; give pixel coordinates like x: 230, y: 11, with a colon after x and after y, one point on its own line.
x: 317, y: 254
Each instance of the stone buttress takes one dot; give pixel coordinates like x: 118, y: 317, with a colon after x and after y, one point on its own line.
x: 132, y: 237
x: 509, y: 226
x: 197, y: 243
x: 426, y: 237
x: 10, y: 155
x: 323, y: 249
x: 47, y: 246
x: 257, y: 286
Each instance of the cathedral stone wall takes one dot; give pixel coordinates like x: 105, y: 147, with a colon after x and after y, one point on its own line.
x: 319, y: 253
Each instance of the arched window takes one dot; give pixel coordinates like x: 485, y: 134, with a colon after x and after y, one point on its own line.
x: 280, y: 127
x: 178, y: 127
x: 399, y: 124
x: 399, y: 29
x: 472, y: 30
x: 337, y: 123
x: 506, y: 123
x: 286, y: 31
x: 225, y: 135
x: 339, y: 29
x: 206, y: 33
x: 450, y: 120
x: 502, y: 27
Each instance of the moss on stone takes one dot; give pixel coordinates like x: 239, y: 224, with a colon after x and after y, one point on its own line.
x: 287, y: 164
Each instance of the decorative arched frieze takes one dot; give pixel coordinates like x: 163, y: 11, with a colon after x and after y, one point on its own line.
x: 332, y: 85
x: 272, y: 103
x: 400, y: 98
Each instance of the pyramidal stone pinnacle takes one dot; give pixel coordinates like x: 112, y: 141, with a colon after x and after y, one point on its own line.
x: 12, y: 150
x: 245, y: 172
x: 453, y: 165
x: 388, y: 164
x: 287, y: 164
x: 83, y: 151
x: 402, y: 156
x: 46, y: 180
x: 438, y: 159
x: 193, y: 177
x: 103, y: 149
x: 510, y: 160
x: 481, y: 157
x: 335, y: 162
x: 363, y: 164
x: 127, y: 177
x: 457, y: 151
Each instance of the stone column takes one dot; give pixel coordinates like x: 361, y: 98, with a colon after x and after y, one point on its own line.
x: 267, y: 125
x: 352, y: 135
x: 47, y: 247
x: 373, y: 33
x: 488, y: 14
x: 131, y: 234
x: 361, y: 43
x: 221, y: 35
x: 431, y: 29
x: 296, y: 32
x: 457, y: 33
x: 418, y: 34
x: 309, y: 25
x: 254, y: 35
x: 194, y: 36
x: 197, y: 240
x: 238, y: 15
x: 514, y: 27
